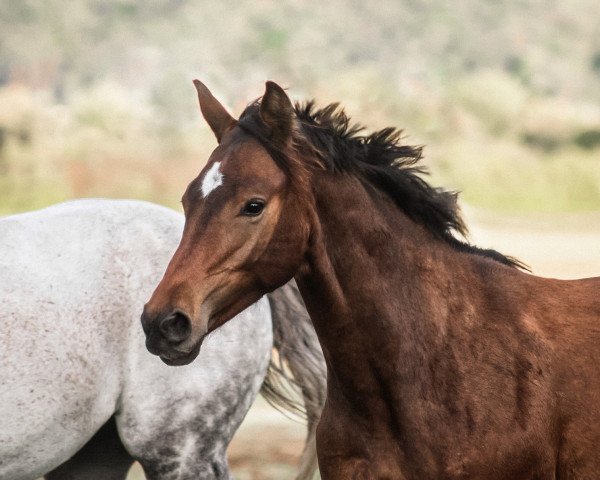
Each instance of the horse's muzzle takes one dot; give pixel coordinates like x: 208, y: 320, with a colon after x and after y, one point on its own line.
x: 167, y: 335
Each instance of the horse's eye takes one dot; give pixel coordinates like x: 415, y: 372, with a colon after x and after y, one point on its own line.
x: 253, y: 208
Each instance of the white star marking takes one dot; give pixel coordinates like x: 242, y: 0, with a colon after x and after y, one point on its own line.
x: 212, y: 179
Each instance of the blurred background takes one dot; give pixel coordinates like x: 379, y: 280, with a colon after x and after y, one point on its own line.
x: 96, y: 99
x: 96, y: 96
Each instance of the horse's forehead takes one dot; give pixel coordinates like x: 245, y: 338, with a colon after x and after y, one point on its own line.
x: 244, y: 157
x: 213, y: 176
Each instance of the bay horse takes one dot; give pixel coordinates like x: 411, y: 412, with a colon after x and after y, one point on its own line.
x: 80, y: 396
x: 444, y: 360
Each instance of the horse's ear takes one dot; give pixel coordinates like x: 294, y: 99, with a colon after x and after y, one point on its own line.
x: 213, y: 112
x: 277, y: 112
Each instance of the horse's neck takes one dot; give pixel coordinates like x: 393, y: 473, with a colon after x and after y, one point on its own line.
x: 374, y: 288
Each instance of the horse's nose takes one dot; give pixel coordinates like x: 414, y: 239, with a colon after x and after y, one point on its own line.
x: 176, y: 327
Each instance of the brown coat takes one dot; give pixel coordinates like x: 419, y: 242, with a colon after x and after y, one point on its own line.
x: 444, y: 361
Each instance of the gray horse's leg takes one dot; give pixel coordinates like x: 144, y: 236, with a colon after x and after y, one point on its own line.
x: 102, y: 458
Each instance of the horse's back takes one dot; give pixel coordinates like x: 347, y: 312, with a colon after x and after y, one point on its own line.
x: 80, y: 245
x: 568, y: 308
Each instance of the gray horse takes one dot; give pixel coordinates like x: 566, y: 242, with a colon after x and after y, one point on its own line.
x: 81, y: 398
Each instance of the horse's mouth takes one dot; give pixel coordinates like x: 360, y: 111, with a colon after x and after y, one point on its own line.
x: 178, y: 359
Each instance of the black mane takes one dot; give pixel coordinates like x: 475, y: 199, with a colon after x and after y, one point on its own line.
x: 381, y: 159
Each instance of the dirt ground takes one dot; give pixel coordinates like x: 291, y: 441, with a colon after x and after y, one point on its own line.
x: 267, y: 445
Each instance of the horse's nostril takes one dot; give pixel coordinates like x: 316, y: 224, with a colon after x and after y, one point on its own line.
x: 176, y: 327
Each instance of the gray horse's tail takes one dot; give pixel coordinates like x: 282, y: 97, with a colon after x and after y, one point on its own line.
x: 296, y: 381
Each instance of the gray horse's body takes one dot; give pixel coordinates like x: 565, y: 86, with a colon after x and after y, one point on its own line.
x: 73, y: 279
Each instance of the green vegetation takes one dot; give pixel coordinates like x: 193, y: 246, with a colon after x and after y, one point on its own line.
x: 96, y: 99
